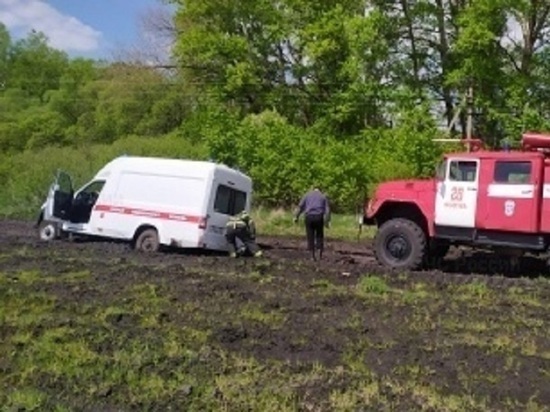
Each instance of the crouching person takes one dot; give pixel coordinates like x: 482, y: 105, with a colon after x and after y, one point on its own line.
x: 242, y: 229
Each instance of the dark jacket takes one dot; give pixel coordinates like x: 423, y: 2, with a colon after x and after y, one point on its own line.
x: 314, y: 203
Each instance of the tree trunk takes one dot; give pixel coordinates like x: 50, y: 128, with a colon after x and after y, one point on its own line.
x: 445, y: 63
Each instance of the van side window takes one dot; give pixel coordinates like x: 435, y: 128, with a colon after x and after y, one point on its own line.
x: 95, y: 186
x: 512, y: 172
x: 229, y: 201
x: 90, y: 193
x: 463, y: 171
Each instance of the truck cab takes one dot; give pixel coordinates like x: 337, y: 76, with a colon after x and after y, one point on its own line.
x: 484, y: 198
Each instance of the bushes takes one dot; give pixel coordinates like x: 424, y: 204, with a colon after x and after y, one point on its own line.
x: 27, y: 175
x: 405, y: 151
x: 283, y: 160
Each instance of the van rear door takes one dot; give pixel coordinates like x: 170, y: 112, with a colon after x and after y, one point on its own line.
x: 228, y: 201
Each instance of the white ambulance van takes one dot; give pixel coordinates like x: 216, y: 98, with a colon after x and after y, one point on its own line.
x: 149, y: 202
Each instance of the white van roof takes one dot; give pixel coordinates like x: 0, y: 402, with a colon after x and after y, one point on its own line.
x: 159, y: 165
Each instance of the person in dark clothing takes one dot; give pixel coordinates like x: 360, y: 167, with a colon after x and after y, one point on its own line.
x: 241, y: 228
x: 315, y: 207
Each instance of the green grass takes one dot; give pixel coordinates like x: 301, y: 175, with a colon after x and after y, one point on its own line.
x: 255, y: 312
x: 139, y: 344
x: 371, y: 286
x: 279, y: 222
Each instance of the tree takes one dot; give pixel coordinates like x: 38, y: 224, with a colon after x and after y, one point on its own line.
x: 5, y: 44
x: 34, y: 67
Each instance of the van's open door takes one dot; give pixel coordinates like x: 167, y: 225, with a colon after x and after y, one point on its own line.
x: 228, y: 201
x: 60, y: 197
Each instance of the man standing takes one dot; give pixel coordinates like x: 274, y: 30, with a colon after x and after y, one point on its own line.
x: 241, y: 228
x: 315, y: 207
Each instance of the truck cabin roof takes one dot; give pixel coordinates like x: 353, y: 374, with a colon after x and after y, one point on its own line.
x: 533, y: 145
x: 496, y: 155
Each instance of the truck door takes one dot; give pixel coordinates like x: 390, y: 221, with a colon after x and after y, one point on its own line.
x: 456, y: 194
x: 512, y: 196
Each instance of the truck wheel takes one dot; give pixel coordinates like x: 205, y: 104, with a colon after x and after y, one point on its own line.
x: 47, y: 230
x: 400, y: 244
x: 148, y: 241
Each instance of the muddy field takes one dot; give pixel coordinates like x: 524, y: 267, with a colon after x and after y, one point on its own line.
x: 98, y: 326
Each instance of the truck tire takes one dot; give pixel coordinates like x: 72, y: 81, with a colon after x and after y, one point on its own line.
x: 400, y: 244
x: 148, y: 241
x: 47, y: 230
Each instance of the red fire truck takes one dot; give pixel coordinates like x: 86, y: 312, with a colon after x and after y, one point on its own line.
x: 481, y: 198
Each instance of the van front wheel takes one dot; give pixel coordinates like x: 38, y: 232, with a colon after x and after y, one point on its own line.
x: 47, y: 230
x: 148, y: 241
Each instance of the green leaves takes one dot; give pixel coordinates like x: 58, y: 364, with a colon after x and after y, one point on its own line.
x: 34, y: 67
x: 347, y: 92
x: 284, y: 160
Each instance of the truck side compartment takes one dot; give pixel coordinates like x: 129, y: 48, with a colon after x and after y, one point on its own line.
x: 544, y: 218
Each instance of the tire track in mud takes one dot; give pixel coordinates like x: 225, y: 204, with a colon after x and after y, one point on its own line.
x: 462, y: 264
x: 349, y: 257
x: 358, y: 253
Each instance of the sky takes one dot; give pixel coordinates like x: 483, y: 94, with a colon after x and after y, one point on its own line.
x: 87, y: 28
x: 94, y: 28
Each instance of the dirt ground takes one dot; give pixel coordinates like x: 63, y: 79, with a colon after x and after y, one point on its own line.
x: 462, y: 341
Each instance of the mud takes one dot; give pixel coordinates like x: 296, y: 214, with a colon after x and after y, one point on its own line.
x: 312, y: 318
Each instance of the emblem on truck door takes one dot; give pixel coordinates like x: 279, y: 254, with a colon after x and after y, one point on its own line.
x: 509, y: 207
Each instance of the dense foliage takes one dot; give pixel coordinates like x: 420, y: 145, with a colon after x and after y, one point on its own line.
x: 294, y: 92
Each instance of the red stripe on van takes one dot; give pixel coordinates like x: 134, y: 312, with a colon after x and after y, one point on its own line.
x: 149, y: 213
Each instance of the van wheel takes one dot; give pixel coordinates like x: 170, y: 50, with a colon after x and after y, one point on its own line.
x: 148, y: 241
x: 400, y: 244
x: 47, y: 230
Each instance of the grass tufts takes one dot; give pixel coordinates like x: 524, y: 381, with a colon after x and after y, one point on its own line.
x: 370, y: 285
